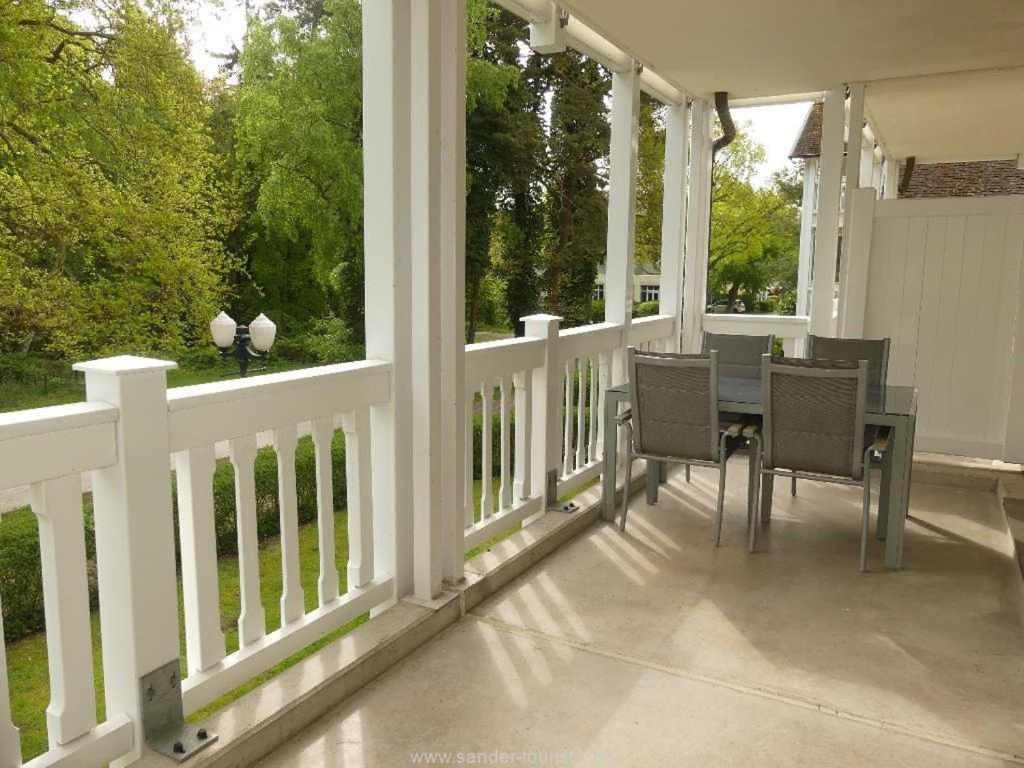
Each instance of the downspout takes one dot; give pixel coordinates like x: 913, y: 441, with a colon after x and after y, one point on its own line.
x: 728, y: 134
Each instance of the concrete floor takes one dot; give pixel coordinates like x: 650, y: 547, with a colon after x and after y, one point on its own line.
x: 651, y: 648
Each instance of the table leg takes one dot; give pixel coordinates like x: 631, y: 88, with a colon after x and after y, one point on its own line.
x: 653, y: 480
x: 899, y: 492
x: 884, y: 488
x: 611, y: 454
x: 767, y: 486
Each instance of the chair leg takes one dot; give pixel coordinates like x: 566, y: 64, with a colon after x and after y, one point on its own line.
x: 719, y: 508
x: 767, y: 486
x: 865, y: 519
x: 629, y: 465
x: 653, y: 477
x: 687, y: 473
x: 752, y: 494
x: 792, y: 490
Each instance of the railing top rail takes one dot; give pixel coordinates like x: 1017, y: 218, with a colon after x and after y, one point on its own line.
x: 489, y: 359
x: 54, y: 418
x: 783, y: 326
x: 196, y: 395
x: 651, y: 320
x: 208, y: 413
x: 585, y: 330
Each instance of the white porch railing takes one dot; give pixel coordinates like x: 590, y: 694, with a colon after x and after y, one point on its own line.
x: 50, y: 448
x: 543, y: 393
x: 235, y: 411
x: 791, y: 329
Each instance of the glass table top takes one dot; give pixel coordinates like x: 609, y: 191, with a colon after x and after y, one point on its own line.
x: 888, y: 401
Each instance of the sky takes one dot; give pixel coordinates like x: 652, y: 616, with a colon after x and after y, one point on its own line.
x: 218, y: 25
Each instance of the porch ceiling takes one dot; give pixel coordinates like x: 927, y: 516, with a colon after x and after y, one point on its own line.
x: 756, y: 49
x: 766, y: 49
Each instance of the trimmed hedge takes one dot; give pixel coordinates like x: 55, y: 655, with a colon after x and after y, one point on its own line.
x: 21, y: 585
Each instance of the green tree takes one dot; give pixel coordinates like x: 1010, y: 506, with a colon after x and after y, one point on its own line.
x: 754, y: 230
x: 111, y: 218
x: 576, y: 202
x: 650, y: 183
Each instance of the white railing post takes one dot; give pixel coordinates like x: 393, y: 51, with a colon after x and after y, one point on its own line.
x: 547, y: 394
x: 695, y: 277
x: 854, y: 167
x: 673, y: 229
x: 808, y: 210
x: 622, y: 162
x: 388, y: 287
x: 826, y: 234
x: 135, y: 536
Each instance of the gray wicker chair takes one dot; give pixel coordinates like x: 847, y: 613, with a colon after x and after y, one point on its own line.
x: 814, y: 428
x: 674, y: 418
x: 875, y: 351
x: 738, y: 355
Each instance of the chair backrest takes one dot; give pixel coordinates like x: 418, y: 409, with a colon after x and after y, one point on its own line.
x: 738, y: 355
x: 875, y: 351
x: 814, y: 415
x: 675, y: 404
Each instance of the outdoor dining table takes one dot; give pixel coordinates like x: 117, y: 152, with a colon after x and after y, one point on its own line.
x: 893, y: 407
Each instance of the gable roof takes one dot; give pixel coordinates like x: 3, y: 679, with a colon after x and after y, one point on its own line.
x: 977, y: 179
x: 808, y: 143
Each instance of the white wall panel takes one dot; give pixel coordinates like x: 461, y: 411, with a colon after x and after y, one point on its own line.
x: 944, y: 285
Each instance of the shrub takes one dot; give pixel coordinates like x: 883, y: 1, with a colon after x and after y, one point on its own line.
x: 21, y: 587
x: 645, y: 309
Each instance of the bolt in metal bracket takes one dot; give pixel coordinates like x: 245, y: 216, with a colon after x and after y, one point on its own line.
x: 163, y: 719
x: 569, y: 507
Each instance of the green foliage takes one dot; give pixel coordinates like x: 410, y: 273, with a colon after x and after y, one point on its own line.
x: 650, y: 183
x: 577, y: 209
x: 645, y: 309
x: 110, y: 218
x: 754, y: 231
x: 21, y: 590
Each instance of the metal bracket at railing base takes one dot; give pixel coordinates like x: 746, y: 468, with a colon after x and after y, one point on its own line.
x: 163, y: 719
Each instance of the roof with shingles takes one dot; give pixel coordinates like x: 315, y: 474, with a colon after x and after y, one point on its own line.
x: 976, y: 179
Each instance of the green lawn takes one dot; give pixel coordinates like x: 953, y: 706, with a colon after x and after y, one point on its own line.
x: 16, y: 395
x: 26, y: 659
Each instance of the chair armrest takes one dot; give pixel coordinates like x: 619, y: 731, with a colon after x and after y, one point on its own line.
x: 623, y: 417
x: 733, y: 430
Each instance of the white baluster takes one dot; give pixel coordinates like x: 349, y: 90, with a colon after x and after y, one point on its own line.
x: 486, y: 479
x: 567, y: 431
x: 10, y: 738
x: 592, y: 425
x: 505, y: 491
x: 468, y: 502
x: 524, y: 419
x: 292, y: 600
x: 57, y: 505
x: 323, y: 439
x: 604, y: 376
x: 581, y: 413
x: 252, y: 622
x: 358, y: 471
x: 204, y: 639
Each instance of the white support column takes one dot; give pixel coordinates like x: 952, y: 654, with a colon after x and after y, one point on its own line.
x: 453, y: 280
x: 855, y: 172
x: 618, y: 289
x: 673, y: 219
x: 426, y: 270
x: 826, y: 233
x: 134, y: 534
x: 859, y: 234
x: 890, y: 178
x: 695, y: 277
x: 808, y: 206
x: 388, y: 290
x: 545, y: 451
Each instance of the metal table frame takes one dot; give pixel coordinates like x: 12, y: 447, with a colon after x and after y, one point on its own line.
x: 894, y: 492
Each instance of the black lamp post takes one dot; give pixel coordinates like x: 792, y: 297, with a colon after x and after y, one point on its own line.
x: 244, y: 343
